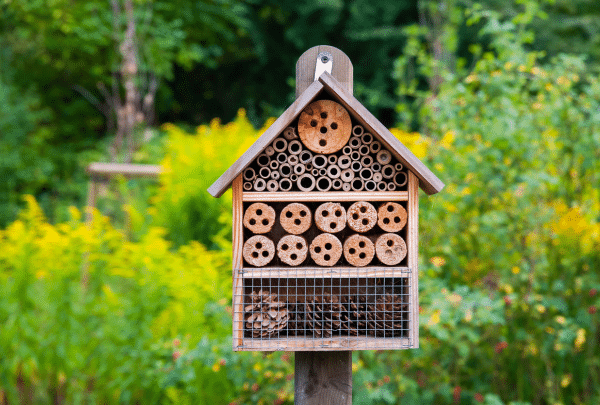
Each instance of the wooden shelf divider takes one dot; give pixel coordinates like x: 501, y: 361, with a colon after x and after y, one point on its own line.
x: 324, y: 272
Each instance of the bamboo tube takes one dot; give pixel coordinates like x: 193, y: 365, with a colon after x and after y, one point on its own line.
x: 357, y: 184
x: 292, y: 250
x: 315, y: 172
x: 344, y: 162
x: 295, y: 218
x: 306, y: 156
x: 294, y: 177
x: 366, y: 161
x: 264, y: 172
x: 322, y: 172
x: 384, y: 157
x: 391, y: 187
x: 366, y: 173
x: 293, y: 160
x: 359, y: 250
x: 259, y: 218
x: 280, y: 145
x: 377, y: 177
x: 290, y: 133
x: 354, y: 142
x: 275, y: 175
x: 269, y: 151
x: 370, y: 185
x: 282, y: 157
x: 381, y: 186
x: 390, y: 249
x: 400, y: 179
x: 249, y: 174
x: 358, y: 130
x: 323, y: 183
x: 388, y: 172
x: 398, y: 167
x: 362, y: 216
x: 347, y: 175
x: 274, y: 165
x: 375, y: 147
x: 333, y: 171
x: 332, y: 159
x: 326, y: 249
x: 258, y: 251
x: 294, y: 147
x: 247, y: 186
x: 392, y: 217
x: 260, y: 184
x: 306, y: 182
x: 346, y: 187
x: 285, y: 184
x: 376, y: 167
x: 308, y: 166
x: 299, y: 169
x: 330, y: 217
x: 366, y: 138
x: 364, y: 150
x: 263, y: 160
x: 272, y: 185
x: 355, y: 155
x: 346, y: 150
x: 319, y: 161
x: 336, y: 184
x: 356, y: 166
x: 285, y: 170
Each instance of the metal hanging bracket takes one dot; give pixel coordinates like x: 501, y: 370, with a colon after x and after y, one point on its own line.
x: 324, y: 64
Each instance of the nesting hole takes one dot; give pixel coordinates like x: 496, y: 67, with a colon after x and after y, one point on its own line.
x: 288, y: 214
x: 362, y: 255
x: 313, y: 123
x: 255, y: 254
x: 265, y: 253
x: 259, y: 212
x: 390, y: 243
x: 293, y: 256
x: 354, y: 216
x: 328, y: 246
x: 397, y: 220
x: 338, y: 213
x: 323, y: 130
x: 323, y: 115
x: 324, y: 213
x: 351, y: 251
x: 361, y: 244
x: 265, y: 222
x: 334, y: 125
x: 322, y: 142
x: 298, y: 246
x: 390, y: 208
x: 317, y: 249
x: 297, y: 221
x: 365, y: 221
x: 302, y: 213
x: 327, y: 258
x: 285, y: 246
x: 258, y: 245
x: 386, y: 221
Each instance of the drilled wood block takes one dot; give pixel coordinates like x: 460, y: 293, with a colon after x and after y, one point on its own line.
x: 326, y: 249
x: 359, y: 250
x: 295, y: 218
x: 259, y: 250
x: 324, y: 126
x: 362, y: 216
x: 259, y: 218
x: 392, y: 217
x: 292, y: 250
x: 330, y: 217
x: 390, y: 249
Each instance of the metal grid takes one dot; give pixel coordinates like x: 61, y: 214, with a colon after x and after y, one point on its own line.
x: 314, y: 309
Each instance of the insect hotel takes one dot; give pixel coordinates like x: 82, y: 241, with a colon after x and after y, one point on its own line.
x: 325, y: 224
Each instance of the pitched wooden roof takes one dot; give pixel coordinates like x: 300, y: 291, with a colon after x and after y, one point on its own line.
x: 428, y: 181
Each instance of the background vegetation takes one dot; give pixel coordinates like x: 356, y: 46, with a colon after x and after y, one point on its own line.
x: 500, y: 98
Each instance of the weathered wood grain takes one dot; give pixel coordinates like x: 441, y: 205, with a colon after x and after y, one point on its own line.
x: 429, y: 182
x: 323, y: 378
x: 342, y: 68
x: 337, y: 343
x: 98, y: 169
x: 237, y: 241
x: 413, y: 255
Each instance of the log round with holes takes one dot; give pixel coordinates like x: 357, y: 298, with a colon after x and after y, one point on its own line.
x: 330, y: 217
x: 259, y: 218
x: 258, y: 251
x: 326, y: 249
x: 295, y: 218
x: 292, y: 250
x: 391, y: 217
x: 359, y: 250
x: 324, y: 126
x: 390, y: 249
x: 362, y: 216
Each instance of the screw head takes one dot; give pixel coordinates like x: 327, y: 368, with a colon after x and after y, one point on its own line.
x: 324, y: 59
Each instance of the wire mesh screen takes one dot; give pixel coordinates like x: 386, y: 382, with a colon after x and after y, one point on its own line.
x: 319, y: 310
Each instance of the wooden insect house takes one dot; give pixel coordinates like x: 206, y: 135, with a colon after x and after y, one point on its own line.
x: 325, y: 224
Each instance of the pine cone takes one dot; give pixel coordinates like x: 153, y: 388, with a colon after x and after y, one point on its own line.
x: 296, y: 323
x: 388, y: 316
x: 324, y: 315
x: 265, y: 316
x: 355, y: 315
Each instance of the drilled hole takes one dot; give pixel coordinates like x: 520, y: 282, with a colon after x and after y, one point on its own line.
x: 327, y: 258
x: 322, y: 142
x: 355, y: 216
x: 258, y: 212
x: 363, y: 209
x: 338, y: 213
x: 397, y: 220
x: 323, y: 115
x: 365, y: 221
x: 390, y: 208
x: 297, y: 221
x: 361, y: 244
x: 334, y: 125
x: 328, y: 246
x: 258, y: 245
x: 362, y: 255
x: 298, y: 246
x: 333, y: 225
x: 351, y: 251
x: 255, y: 254
x: 317, y: 249
x: 288, y: 214
x: 265, y: 253
x: 325, y: 213
x: 252, y: 221
x: 265, y: 222
x: 313, y: 123
x: 386, y: 221
x: 284, y: 246
x: 302, y: 213
x: 293, y: 256
x: 390, y: 243
x: 323, y: 130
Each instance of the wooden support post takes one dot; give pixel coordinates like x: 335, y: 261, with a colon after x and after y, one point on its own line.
x: 323, y: 378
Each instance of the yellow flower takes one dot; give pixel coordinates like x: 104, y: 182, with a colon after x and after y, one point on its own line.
x: 257, y: 367
x: 508, y: 65
x: 471, y: 78
x: 560, y: 319
x: 438, y: 261
x: 522, y: 68
x: 496, y: 73
x: 354, y: 367
x: 516, y: 270
x: 435, y: 318
x: 536, y: 106
x: 540, y: 308
x: 580, y: 339
x: 566, y: 380
x: 468, y: 315
x: 549, y: 330
x: 447, y: 139
x: 216, y: 367
x: 535, y: 70
x: 454, y: 298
